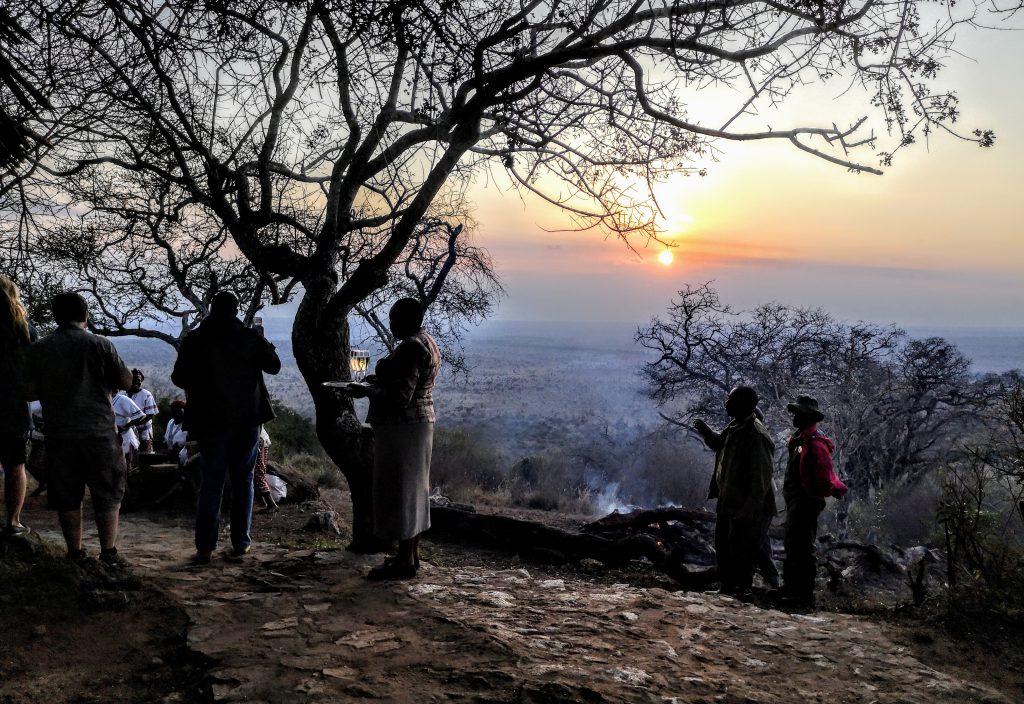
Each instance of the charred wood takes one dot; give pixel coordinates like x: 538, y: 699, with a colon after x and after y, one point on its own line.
x: 615, y: 547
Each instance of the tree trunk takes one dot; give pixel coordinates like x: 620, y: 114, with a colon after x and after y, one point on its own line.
x: 320, y: 342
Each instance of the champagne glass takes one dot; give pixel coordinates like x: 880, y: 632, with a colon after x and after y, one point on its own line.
x: 359, y: 362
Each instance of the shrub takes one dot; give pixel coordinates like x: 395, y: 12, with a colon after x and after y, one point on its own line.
x: 669, y: 469
x: 462, y: 463
x: 981, y: 510
x: 292, y: 434
x: 318, y: 468
x: 979, y: 516
x: 550, y: 481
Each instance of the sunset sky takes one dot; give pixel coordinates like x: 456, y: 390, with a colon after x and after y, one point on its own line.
x: 935, y: 241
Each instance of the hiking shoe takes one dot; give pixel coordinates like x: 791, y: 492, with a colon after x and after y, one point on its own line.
x: 202, y: 557
x: 17, y: 529
x: 110, y: 558
x: 76, y: 555
x: 236, y: 554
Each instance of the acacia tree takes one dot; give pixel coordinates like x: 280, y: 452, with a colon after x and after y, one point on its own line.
x: 892, y: 402
x: 319, y: 134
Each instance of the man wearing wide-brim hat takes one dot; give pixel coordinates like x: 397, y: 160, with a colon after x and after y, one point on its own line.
x: 742, y: 485
x: 810, y: 478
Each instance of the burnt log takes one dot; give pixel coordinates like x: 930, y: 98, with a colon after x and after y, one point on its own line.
x: 545, y: 543
x: 874, y: 555
x: 616, y: 521
x: 687, y: 533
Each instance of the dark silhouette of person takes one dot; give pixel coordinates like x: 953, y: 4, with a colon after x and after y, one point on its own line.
x: 810, y: 477
x: 402, y: 415
x: 742, y: 485
x: 220, y: 366
x: 16, y: 334
x: 71, y: 373
x: 765, y: 560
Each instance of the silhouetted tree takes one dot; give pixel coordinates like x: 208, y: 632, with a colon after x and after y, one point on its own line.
x: 319, y: 135
x: 20, y: 98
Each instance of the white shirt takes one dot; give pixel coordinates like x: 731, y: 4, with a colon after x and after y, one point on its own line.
x: 125, y: 411
x: 36, y: 409
x: 174, y: 435
x: 144, y: 400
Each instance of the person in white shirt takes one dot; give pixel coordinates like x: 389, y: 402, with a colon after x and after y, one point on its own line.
x: 144, y: 400
x: 127, y: 416
x: 175, y: 437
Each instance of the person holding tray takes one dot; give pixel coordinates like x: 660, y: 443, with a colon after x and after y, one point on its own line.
x: 402, y: 415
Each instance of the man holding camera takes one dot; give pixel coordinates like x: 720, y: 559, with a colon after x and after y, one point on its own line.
x: 220, y: 366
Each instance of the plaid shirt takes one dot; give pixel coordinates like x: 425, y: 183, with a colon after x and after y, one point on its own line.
x: 403, y: 392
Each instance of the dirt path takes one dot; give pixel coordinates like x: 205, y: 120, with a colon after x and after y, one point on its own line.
x: 303, y: 625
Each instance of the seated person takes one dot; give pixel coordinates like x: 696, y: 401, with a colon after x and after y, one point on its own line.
x: 174, y: 436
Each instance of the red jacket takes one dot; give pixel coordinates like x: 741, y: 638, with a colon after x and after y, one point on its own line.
x: 817, y: 474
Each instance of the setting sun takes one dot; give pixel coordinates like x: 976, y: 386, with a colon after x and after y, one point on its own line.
x: 666, y: 257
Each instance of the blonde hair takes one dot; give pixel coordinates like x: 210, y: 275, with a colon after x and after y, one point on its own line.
x: 13, y: 316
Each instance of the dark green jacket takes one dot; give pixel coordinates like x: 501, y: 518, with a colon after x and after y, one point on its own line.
x: 744, y: 465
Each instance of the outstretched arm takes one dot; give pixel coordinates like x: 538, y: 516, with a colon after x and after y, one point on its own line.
x: 711, y: 438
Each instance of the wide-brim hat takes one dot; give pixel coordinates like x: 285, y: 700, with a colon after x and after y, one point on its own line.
x: 808, y: 405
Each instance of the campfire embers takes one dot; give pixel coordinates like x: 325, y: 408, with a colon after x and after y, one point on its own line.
x: 681, y: 536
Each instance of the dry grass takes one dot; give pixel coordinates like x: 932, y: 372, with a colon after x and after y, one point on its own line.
x: 318, y: 468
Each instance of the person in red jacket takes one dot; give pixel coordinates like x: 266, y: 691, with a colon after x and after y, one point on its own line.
x: 810, y: 478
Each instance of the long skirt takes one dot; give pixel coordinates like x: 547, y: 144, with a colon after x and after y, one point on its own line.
x: 401, y: 480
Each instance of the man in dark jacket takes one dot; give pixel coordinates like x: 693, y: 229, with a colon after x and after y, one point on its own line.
x: 810, y: 478
x: 742, y: 483
x: 220, y: 366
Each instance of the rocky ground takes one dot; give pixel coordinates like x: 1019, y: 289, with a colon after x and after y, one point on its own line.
x: 297, y: 621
